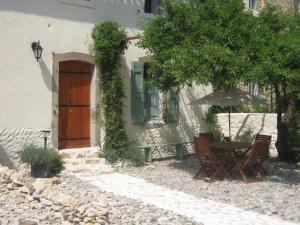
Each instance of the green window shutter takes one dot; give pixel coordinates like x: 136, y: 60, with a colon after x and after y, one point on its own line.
x: 173, y: 104
x: 137, y: 93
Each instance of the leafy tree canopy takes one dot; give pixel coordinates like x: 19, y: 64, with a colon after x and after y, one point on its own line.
x: 200, y: 41
x: 276, y: 52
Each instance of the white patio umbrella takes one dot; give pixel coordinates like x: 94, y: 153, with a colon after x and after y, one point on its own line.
x: 230, y: 97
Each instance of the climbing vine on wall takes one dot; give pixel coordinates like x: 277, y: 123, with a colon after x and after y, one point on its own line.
x: 110, y: 42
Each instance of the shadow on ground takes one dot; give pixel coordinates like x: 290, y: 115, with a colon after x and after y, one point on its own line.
x: 279, y: 172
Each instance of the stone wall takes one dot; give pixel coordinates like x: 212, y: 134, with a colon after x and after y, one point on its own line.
x: 287, y: 5
x: 12, y: 141
x: 263, y: 123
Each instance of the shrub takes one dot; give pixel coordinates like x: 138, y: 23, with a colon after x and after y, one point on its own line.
x: 34, y: 156
x: 135, y: 155
x: 54, y: 161
x: 38, y: 157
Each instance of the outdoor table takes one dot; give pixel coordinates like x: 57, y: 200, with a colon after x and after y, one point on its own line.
x: 231, y: 147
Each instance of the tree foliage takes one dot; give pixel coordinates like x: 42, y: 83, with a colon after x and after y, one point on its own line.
x: 276, y: 63
x: 197, y: 41
x: 221, y: 43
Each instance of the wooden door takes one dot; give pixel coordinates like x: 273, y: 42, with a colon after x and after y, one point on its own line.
x: 74, y: 104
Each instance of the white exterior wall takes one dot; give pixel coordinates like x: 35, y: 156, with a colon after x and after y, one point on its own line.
x: 27, y: 85
x: 263, y: 123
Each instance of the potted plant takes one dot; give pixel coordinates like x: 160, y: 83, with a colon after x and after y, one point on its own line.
x: 37, y: 158
x: 43, y: 162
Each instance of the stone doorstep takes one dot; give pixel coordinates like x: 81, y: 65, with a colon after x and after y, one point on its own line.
x: 90, y: 170
x: 79, y: 153
x: 90, y: 161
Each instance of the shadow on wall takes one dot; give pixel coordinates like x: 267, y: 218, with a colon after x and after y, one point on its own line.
x: 47, y: 77
x: 243, y: 124
x: 5, y: 160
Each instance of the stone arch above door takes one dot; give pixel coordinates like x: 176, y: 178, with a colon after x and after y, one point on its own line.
x: 94, y: 96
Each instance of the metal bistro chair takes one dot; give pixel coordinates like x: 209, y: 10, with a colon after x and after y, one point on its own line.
x: 252, y: 163
x: 211, y: 165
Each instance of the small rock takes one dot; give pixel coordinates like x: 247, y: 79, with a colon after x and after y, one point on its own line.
x: 4, y: 222
x: 66, y: 223
x: 87, y: 219
x: 24, y: 189
x: 43, y: 216
x: 82, y: 209
x: 56, y: 207
x: 64, y: 199
x: 58, y: 215
x: 29, y: 198
x: 28, y: 222
x: 46, y: 202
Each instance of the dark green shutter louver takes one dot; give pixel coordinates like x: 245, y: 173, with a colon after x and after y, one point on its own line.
x: 137, y: 93
x: 173, y: 104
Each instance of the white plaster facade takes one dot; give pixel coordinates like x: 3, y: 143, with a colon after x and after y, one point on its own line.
x: 63, y: 27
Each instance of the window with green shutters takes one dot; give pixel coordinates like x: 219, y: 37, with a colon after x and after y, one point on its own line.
x: 151, y: 98
x: 145, y: 102
x: 137, y: 93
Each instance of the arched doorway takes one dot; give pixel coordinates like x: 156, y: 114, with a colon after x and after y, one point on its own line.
x: 74, y: 104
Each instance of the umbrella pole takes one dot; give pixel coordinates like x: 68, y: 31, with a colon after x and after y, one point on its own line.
x: 230, y: 122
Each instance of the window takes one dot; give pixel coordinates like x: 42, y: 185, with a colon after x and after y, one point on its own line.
x: 253, y: 88
x: 151, y: 6
x: 296, y: 5
x: 151, y: 98
x: 145, y: 98
x: 252, y: 4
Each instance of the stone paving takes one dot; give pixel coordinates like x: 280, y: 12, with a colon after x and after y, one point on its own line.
x: 201, y: 210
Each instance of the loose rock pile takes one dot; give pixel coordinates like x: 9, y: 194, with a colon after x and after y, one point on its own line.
x: 43, y: 200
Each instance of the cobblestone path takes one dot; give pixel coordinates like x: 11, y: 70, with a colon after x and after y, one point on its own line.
x: 198, y: 209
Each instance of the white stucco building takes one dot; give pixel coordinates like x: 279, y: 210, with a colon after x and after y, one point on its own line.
x: 60, y: 92
x: 32, y: 93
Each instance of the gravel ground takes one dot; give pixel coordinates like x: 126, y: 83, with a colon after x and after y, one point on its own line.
x: 278, y: 194
x: 123, y: 211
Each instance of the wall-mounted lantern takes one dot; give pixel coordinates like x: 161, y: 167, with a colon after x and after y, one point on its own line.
x: 37, y: 49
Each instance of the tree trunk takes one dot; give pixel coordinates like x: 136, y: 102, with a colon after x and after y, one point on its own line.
x: 282, y: 130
